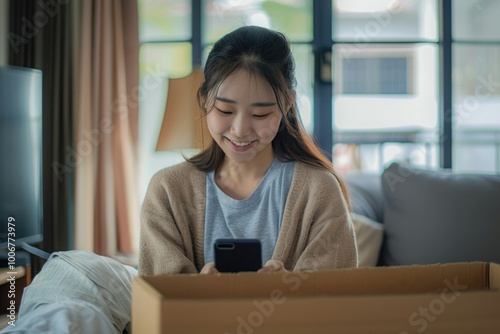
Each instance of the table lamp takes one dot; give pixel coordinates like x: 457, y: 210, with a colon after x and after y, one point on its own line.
x: 184, y: 126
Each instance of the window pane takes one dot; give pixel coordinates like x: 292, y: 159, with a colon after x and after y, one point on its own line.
x: 385, y: 104
x: 476, y: 72
x: 476, y: 107
x: 170, y: 59
x: 384, y: 20
x: 292, y: 17
x: 476, y: 19
x: 304, y: 69
x: 470, y: 157
x: 161, y: 20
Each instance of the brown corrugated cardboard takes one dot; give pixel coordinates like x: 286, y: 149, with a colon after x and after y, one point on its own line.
x: 450, y: 298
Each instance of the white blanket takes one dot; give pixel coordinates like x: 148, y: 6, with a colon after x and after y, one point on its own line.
x: 77, y: 292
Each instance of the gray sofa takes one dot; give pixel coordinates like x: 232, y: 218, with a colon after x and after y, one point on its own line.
x: 430, y: 216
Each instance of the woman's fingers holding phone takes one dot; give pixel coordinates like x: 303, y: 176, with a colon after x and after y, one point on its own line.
x: 272, y: 266
x: 209, y: 268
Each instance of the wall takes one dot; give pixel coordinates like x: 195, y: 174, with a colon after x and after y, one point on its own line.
x: 3, y: 31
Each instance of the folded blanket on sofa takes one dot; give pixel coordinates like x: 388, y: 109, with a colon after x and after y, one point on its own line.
x: 95, y: 290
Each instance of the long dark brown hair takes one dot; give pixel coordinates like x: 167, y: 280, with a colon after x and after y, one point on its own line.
x: 267, y: 53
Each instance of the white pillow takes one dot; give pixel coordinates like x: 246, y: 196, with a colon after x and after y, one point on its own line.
x: 369, y: 235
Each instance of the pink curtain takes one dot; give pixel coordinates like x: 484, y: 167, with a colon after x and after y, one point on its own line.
x: 106, y: 122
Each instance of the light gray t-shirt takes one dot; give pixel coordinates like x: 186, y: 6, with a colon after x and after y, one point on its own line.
x: 258, y: 216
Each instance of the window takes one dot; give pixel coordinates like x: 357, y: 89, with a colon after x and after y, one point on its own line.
x: 389, y: 91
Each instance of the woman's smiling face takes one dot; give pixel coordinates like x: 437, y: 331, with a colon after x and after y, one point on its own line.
x: 245, y: 118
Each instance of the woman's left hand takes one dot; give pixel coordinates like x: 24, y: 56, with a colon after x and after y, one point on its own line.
x: 272, y: 266
x: 209, y: 269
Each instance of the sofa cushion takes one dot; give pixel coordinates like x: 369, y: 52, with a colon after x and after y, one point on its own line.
x: 439, y: 216
x: 365, y: 192
x: 369, y: 236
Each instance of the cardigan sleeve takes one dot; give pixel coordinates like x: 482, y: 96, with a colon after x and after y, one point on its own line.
x: 331, y: 244
x: 318, y: 224
x: 161, y: 249
x: 164, y: 238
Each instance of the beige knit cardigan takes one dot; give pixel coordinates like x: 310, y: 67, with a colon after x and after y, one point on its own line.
x: 316, y: 231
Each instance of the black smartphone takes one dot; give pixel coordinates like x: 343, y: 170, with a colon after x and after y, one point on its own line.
x: 236, y: 255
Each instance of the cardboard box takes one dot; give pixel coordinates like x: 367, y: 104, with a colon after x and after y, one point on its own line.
x: 448, y: 298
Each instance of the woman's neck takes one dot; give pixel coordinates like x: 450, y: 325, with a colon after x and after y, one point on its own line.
x: 240, y: 180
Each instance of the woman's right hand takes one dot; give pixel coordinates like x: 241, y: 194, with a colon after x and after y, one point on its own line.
x: 272, y: 266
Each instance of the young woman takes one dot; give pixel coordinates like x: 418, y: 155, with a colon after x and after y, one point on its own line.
x: 260, y: 177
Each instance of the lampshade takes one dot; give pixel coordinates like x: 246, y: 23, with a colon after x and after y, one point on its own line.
x: 183, y: 126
